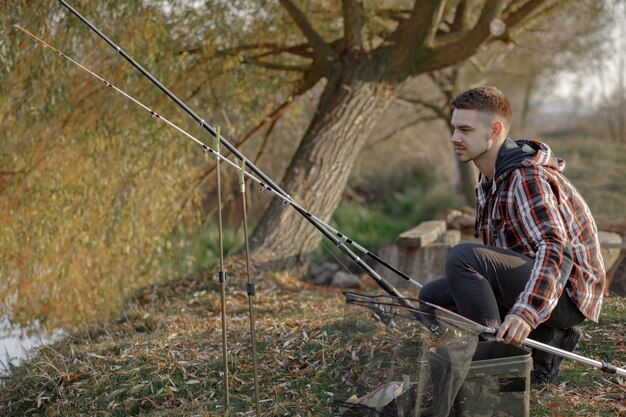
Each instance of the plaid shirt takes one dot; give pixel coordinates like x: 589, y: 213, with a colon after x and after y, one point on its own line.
x: 531, y: 208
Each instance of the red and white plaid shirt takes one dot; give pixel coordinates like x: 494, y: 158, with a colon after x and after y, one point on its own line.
x: 531, y: 208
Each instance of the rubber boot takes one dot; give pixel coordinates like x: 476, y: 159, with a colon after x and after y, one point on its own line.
x: 546, y: 366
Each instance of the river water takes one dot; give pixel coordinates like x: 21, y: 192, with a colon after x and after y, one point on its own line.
x: 16, y: 344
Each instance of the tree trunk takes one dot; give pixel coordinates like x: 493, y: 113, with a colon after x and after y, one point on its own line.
x: 319, y: 170
x: 356, y: 93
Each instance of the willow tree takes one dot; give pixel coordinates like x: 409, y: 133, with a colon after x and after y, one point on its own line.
x: 91, y: 189
x: 361, y: 52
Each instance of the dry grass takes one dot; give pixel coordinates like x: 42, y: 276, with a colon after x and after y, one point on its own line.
x: 163, y: 358
x: 582, y: 390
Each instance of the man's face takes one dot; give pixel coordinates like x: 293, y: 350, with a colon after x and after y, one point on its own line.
x: 471, y: 132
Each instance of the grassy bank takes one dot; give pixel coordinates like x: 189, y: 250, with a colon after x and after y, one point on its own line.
x: 597, y: 168
x: 163, y: 358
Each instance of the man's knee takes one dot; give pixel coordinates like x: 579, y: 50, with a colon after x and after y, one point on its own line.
x: 428, y: 292
x: 437, y: 292
x: 459, y: 260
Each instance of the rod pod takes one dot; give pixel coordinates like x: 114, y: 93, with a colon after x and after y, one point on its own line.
x: 222, y: 274
x: 250, y: 289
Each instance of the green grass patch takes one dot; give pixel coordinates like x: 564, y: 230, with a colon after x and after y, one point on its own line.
x: 597, y: 168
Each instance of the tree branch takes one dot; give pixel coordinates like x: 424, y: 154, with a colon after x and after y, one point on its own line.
x: 513, y: 6
x: 21, y: 171
x: 266, y: 139
x: 400, y: 129
x: 514, y: 18
x: 525, y: 13
x: 228, y: 51
x: 459, y: 23
x: 416, y: 32
x: 425, y: 15
x: 319, y: 45
x: 435, y: 21
x: 352, y: 25
x: 450, y: 53
x: 304, y: 50
x: 276, y: 66
x: 398, y: 15
x: 438, y: 110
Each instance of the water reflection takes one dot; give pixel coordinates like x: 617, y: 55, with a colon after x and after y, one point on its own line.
x: 17, y: 343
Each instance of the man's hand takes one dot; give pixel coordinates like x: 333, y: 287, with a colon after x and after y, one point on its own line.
x: 514, y: 330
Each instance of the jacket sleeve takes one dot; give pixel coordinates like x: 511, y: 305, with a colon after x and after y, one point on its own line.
x: 536, y: 209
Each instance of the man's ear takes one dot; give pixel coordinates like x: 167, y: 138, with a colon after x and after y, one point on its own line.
x: 496, y: 129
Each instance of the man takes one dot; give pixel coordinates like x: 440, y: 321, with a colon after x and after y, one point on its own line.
x: 540, y: 271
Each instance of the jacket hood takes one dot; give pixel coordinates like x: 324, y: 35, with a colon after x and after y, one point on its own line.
x: 514, y: 154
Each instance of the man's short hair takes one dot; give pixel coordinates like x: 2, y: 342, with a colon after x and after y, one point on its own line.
x: 486, y: 99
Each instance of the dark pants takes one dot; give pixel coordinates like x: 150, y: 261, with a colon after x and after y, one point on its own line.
x: 482, y: 283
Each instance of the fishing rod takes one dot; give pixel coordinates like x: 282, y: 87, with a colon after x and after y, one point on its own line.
x: 335, y: 236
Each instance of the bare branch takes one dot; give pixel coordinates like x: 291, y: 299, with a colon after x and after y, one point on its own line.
x: 394, y: 14
x: 228, y: 51
x: 352, y: 25
x: 304, y: 50
x: 524, y: 16
x: 438, y: 110
x: 448, y: 38
x: 514, y: 18
x: 421, y: 24
x: 266, y: 139
x: 513, y: 6
x: 437, y: 14
x: 400, y: 129
x: 453, y: 52
x: 21, y: 171
x: 416, y: 33
x: 314, y: 38
x: 517, y: 16
x: 276, y: 66
x: 459, y: 22
x: 245, y: 47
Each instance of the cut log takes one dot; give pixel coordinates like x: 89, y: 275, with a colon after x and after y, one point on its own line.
x: 422, y: 235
